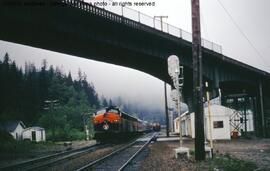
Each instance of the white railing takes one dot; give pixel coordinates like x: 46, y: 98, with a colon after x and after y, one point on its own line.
x: 143, y: 19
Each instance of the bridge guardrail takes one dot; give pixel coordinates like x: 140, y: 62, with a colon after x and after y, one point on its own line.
x: 140, y: 18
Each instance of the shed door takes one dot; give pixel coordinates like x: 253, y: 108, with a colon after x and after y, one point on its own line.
x: 41, y: 135
x: 33, y: 135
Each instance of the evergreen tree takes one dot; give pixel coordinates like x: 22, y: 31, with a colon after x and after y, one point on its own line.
x: 110, y: 102
x: 24, y: 94
x: 104, y: 102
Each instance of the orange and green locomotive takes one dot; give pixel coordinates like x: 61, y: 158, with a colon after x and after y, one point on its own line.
x: 112, y: 123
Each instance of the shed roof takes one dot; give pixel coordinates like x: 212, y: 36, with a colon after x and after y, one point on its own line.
x: 10, y: 126
x: 36, y: 128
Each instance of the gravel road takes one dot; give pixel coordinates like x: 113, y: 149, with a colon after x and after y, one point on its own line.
x: 161, y: 155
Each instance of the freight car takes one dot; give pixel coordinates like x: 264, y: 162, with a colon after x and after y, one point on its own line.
x: 112, y: 123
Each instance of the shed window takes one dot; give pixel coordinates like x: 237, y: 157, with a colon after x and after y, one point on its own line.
x: 218, y: 124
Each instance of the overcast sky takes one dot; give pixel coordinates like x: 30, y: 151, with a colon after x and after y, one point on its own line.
x: 111, y: 80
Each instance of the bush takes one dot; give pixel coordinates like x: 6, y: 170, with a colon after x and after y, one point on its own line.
x: 75, y: 134
x: 6, y: 137
x: 16, y: 146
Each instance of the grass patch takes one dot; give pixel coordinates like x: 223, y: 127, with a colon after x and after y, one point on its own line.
x: 62, y: 135
x: 228, y: 163
x: 23, y: 146
x: 192, y: 152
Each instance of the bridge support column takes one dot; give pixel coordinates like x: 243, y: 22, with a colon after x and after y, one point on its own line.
x: 255, y: 116
x: 215, y: 92
x: 216, y: 89
x: 262, y: 107
x: 166, y: 110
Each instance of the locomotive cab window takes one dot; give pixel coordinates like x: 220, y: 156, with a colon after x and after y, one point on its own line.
x: 218, y: 124
x: 100, y: 111
x: 113, y: 111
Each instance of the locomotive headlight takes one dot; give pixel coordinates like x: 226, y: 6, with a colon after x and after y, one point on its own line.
x: 106, y: 127
x: 116, y: 121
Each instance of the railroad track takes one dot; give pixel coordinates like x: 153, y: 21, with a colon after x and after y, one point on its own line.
x: 50, y: 160
x: 119, y: 159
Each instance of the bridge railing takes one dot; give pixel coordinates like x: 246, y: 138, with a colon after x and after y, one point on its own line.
x: 96, y: 7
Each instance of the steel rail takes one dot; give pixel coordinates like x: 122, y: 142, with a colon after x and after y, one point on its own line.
x: 134, y: 155
x: 105, y: 157
x: 49, y: 157
x: 68, y: 156
x: 113, y: 153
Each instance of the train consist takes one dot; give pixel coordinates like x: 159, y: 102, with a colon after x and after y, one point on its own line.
x: 113, y: 123
x: 155, y: 127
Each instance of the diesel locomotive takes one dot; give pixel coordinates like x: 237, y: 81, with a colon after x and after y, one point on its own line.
x: 113, y: 123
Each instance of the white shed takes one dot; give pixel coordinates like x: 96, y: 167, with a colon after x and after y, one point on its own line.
x: 222, y: 121
x: 15, y: 128
x: 34, y: 134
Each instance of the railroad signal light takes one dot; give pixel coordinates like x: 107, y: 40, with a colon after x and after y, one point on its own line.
x: 174, y: 72
x: 173, y: 66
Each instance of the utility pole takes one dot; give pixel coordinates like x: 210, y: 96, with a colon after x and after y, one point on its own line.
x: 88, y: 123
x: 51, y: 105
x: 197, y: 81
x: 85, y: 123
x: 165, y: 88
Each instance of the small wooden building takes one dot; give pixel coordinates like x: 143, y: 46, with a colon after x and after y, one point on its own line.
x: 15, y: 128
x: 220, y: 123
x: 34, y: 133
x: 223, y: 122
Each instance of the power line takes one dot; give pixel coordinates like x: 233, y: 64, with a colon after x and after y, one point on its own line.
x: 244, y: 35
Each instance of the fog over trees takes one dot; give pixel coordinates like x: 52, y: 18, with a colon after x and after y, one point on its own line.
x: 48, y: 97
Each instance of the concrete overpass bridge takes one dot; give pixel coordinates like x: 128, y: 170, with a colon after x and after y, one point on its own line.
x: 77, y: 28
